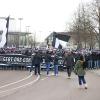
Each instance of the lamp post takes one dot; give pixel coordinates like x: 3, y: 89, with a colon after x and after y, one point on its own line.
x: 20, y: 19
x: 27, y: 31
x: 27, y: 28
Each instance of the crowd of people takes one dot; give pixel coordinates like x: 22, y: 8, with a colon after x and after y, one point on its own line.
x: 92, y: 59
x: 60, y: 59
x: 67, y: 59
x: 71, y: 61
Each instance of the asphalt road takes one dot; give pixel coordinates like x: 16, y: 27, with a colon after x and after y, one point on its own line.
x: 21, y: 85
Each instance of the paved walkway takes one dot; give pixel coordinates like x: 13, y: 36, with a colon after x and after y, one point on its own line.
x: 49, y: 87
x: 96, y: 71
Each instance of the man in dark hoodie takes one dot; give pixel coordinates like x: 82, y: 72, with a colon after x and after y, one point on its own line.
x: 69, y: 63
x: 36, y: 61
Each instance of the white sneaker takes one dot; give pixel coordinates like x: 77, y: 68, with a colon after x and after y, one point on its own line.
x: 56, y: 74
x: 48, y: 74
x: 69, y: 77
x: 85, y: 86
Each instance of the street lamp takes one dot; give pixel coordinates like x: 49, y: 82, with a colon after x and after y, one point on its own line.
x: 20, y: 19
x: 27, y: 28
x: 27, y: 31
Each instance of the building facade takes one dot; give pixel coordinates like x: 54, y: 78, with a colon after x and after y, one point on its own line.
x: 70, y: 44
x: 16, y: 39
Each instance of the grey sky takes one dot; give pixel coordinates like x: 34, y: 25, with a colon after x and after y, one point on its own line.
x: 43, y: 16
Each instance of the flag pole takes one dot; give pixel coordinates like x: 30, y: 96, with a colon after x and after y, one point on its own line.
x: 7, y: 26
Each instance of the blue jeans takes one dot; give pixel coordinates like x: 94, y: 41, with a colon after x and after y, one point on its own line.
x: 47, y: 68
x: 81, y: 80
x: 95, y: 63
x: 99, y: 63
x: 55, y: 69
x: 90, y: 64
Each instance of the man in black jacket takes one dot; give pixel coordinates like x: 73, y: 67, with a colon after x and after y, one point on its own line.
x: 36, y: 61
x: 69, y: 63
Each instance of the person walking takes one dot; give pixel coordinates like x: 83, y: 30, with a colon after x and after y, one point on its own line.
x: 32, y: 64
x: 79, y: 70
x: 48, y: 60
x: 69, y: 63
x: 56, y: 64
x: 36, y: 61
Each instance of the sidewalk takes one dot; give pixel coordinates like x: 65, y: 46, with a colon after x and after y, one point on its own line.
x: 96, y: 71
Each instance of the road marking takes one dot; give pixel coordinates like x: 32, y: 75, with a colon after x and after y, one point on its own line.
x: 22, y: 86
x: 94, y: 72
x: 47, y: 77
x: 16, y: 82
x: 44, y: 78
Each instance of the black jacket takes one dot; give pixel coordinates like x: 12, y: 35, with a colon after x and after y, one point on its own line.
x: 48, y: 58
x: 56, y: 60
x: 69, y: 61
x: 36, y: 59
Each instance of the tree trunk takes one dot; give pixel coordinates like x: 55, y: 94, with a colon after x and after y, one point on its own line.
x: 99, y: 28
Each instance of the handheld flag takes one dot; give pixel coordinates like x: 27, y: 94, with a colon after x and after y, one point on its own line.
x: 59, y: 40
x: 4, y: 38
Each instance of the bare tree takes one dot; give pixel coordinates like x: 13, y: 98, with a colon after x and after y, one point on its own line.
x: 95, y: 18
x: 83, y: 27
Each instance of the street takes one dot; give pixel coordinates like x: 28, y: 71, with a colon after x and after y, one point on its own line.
x: 21, y: 85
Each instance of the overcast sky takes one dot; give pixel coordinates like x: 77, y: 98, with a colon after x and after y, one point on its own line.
x: 43, y: 16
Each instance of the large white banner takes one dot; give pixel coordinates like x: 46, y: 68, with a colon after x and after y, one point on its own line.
x: 60, y: 42
x: 3, y: 37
